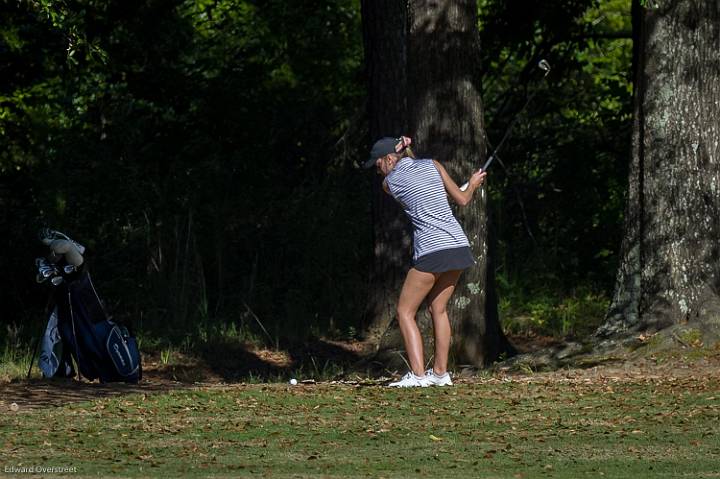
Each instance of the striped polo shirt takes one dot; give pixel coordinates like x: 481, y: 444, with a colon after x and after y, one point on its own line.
x: 418, y: 187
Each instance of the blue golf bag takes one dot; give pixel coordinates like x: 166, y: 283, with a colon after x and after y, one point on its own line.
x: 78, y: 327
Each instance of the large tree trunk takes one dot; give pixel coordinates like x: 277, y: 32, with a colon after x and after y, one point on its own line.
x: 670, y: 263
x: 444, y: 116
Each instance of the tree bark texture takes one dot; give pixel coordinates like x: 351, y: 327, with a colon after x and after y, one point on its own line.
x: 670, y: 257
x: 443, y: 114
x: 446, y: 116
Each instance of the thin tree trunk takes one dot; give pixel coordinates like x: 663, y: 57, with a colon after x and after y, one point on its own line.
x: 670, y: 270
x: 384, y: 33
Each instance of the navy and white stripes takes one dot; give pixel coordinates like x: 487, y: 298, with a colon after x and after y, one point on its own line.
x: 418, y: 187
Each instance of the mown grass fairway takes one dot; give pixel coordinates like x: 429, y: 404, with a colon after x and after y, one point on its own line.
x: 521, y: 428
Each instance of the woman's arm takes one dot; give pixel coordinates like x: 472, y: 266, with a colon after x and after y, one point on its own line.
x: 460, y: 197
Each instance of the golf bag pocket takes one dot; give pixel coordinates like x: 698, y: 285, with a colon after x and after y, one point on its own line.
x: 124, y: 353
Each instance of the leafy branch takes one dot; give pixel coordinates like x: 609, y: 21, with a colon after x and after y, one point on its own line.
x: 69, y: 23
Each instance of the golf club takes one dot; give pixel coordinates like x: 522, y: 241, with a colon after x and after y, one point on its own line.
x: 542, y: 65
x: 45, y: 269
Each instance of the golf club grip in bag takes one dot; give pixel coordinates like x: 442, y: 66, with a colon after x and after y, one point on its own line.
x: 101, y: 348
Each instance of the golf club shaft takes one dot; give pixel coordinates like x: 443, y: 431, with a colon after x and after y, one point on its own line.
x: 543, y: 65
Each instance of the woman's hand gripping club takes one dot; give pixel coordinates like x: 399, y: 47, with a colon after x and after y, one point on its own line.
x: 482, y: 171
x: 476, y: 180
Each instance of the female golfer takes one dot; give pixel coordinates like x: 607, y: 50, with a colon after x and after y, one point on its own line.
x: 441, y: 250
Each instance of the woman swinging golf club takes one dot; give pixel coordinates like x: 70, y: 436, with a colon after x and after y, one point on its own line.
x: 441, y: 250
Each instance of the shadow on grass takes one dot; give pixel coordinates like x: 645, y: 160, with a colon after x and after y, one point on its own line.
x: 232, y: 361
x: 216, y: 363
x: 318, y: 359
x: 34, y: 393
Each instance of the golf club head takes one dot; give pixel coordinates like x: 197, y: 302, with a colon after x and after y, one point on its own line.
x: 544, y: 66
x: 56, y: 280
x: 69, y: 268
x: 45, y: 268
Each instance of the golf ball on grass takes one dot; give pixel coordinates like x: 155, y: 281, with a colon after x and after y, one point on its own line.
x: 293, y: 382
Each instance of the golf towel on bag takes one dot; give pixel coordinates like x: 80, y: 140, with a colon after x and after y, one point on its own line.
x: 55, y: 359
x: 102, y: 349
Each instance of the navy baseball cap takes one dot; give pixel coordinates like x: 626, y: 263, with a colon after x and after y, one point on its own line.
x: 382, y: 147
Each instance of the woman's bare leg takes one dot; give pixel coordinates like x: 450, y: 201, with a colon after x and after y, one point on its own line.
x: 417, y: 285
x: 438, y: 299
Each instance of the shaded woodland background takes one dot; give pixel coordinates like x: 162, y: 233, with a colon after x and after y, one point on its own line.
x: 206, y: 153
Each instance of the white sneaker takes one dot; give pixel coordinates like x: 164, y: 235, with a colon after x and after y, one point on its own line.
x: 410, y: 380
x: 432, y: 379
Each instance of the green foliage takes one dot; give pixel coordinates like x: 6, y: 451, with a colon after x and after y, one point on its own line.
x: 650, y: 4
x: 71, y: 23
x: 15, y: 352
x: 205, y: 152
x: 187, y: 147
x: 533, y: 309
x: 557, y: 193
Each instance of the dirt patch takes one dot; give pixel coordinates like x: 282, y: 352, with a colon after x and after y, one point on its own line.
x: 637, y: 370
x: 37, y: 393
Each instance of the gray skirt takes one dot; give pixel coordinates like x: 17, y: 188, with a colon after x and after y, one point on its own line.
x: 445, y: 260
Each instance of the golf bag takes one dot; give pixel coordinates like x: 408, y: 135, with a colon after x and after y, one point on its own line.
x: 78, y: 327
